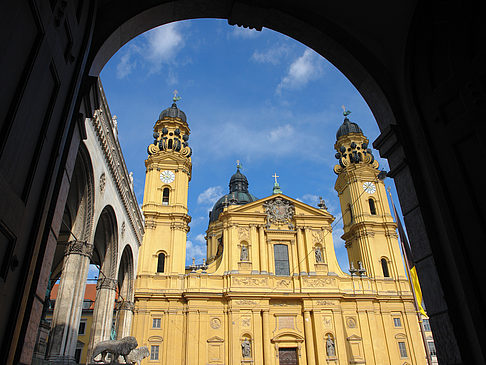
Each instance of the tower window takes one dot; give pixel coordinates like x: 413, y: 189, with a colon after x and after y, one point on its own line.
x: 350, y: 213
x: 156, y: 322
x: 169, y: 145
x: 165, y: 196
x: 372, y: 206
x: 384, y: 266
x: 161, y: 262
x: 154, y: 352
x: 397, y: 322
x: 403, y: 349
x: 281, y: 253
x: 432, y: 350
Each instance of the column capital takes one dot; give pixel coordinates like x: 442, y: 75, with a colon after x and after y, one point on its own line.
x: 127, y: 306
x: 106, y: 283
x: 83, y: 248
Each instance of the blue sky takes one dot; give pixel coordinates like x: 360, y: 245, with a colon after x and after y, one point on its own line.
x: 258, y: 97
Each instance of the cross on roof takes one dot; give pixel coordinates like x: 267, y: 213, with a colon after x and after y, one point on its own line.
x: 176, y: 98
x: 275, y: 177
x: 345, y: 112
x: 238, y: 164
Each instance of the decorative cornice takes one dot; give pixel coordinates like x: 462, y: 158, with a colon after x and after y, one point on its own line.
x: 104, y: 128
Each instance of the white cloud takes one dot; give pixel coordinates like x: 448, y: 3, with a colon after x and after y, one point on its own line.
x: 196, y: 250
x: 310, y: 199
x: 272, y: 55
x: 127, y: 64
x: 200, y: 238
x: 209, y: 196
x: 307, y: 67
x: 163, y: 43
x: 157, y: 47
x: 246, y: 33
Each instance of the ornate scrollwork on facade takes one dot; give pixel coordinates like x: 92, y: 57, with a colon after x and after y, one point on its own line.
x: 279, y: 211
x: 246, y: 302
x: 318, y: 282
x: 106, y: 283
x: 248, y: 281
x: 283, y: 283
x: 243, y: 233
x: 102, y: 182
x: 180, y: 226
x: 82, y: 248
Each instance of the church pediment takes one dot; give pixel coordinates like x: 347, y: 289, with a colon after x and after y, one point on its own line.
x: 288, y: 337
x: 282, y: 207
x: 215, y: 339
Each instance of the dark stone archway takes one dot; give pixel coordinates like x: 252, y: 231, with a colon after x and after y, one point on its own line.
x: 419, y: 67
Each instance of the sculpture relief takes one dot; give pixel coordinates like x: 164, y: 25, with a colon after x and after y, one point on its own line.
x: 244, y: 256
x: 279, y: 211
x: 215, y: 323
x: 246, y: 349
x: 330, y: 347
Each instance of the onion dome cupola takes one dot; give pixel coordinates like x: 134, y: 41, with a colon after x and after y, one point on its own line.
x: 352, y: 146
x: 238, y: 194
x: 171, y: 132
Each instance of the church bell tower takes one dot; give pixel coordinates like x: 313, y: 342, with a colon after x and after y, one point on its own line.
x: 168, y: 172
x: 369, y: 229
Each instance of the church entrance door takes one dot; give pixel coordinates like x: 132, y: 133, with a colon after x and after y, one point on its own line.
x: 287, y: 356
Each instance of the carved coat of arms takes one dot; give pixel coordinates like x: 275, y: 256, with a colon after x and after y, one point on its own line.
x: 279, y: 211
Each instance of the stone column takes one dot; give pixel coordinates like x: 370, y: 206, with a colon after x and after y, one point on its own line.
x: 124, y: 322
x: 102, y: 313
x: 69, y: 303
x: 309, y: 338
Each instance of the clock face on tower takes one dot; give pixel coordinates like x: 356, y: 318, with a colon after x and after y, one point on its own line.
x: 369, y: 187
x: 167, y: 176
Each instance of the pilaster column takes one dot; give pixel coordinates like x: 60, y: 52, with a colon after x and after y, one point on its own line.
x: 301, y: 251
x: 124, y: 322
x: 267, y: 349
x: 69, y: 303
x: 309, y: 338
x: 263, y: 249
x: 102, y: 313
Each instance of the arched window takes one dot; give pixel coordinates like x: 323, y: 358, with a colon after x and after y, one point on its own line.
x: 161, y: 262
x: 169, y: 145
x: 384, y: 266
x: 165, y: 196
x: 372, y: 206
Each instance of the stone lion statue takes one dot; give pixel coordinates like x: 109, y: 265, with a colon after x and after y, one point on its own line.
x: 116, y: 348
x: 137, y: 355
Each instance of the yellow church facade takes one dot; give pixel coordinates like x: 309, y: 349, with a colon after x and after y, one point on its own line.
x: 271, y: 290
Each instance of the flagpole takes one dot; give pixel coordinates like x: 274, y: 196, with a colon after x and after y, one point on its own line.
x: 404, y: 252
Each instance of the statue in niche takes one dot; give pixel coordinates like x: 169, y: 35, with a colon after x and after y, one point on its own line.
x: 318, y: 253
x: 244, y: 253
x: 330, y: 347
x: 246, y: 348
